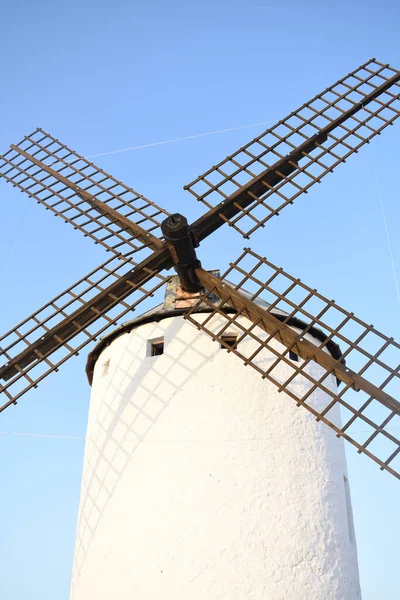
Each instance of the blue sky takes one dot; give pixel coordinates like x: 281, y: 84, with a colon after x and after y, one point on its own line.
x: 102, y: 76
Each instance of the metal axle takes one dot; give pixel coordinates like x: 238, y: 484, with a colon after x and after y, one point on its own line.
x: 181, y: 244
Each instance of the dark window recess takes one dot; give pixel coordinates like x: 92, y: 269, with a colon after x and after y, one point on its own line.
x: 157, y: 348
x: 229, y: 340
x: 293, y: 356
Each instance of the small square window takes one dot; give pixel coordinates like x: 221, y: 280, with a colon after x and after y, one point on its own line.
x: 293, y: 356
x: 157, y: 348
x: 229, y: 340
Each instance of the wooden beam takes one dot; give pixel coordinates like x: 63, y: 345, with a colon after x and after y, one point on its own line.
x: 115, y: 217
x: 259, y: 185
x: 306, y: 349
x: 126, y: 224
x: 88, y: 313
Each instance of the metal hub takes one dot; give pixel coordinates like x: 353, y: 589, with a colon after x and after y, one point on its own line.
x: 181, y: 243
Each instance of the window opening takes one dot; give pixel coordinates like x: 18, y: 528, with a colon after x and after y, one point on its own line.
x: 157, y: 348
x: 230, y: 340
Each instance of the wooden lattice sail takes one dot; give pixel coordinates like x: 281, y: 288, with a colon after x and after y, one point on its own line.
x: 245, y: 190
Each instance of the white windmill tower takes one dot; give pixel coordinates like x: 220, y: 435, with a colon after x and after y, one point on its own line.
x: 202, y: 481
x: 201, y: 478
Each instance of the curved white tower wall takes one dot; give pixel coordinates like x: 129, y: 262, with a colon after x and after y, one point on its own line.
x: 202, y: 482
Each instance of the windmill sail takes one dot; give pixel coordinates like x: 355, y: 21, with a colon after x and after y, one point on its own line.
x: 80, y: 193
x: 257, y: 181
x: 248, y: 187
x: 44, y: 341
x: 365, y: 361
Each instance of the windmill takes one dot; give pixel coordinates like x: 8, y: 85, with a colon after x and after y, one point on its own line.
x: 315, y: 347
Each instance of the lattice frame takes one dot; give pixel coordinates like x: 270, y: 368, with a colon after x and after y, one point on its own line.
x: 324, y: 114
x: 55, y: 196
x: 28, y: 371
x: 367, y: 355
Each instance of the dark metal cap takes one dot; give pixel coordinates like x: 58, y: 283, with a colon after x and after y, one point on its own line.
x: 175, y: 227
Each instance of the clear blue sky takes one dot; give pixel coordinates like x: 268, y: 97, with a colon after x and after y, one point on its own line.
x: 107, y: 75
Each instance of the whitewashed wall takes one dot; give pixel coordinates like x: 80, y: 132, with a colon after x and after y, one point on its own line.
x: 201, y: 482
